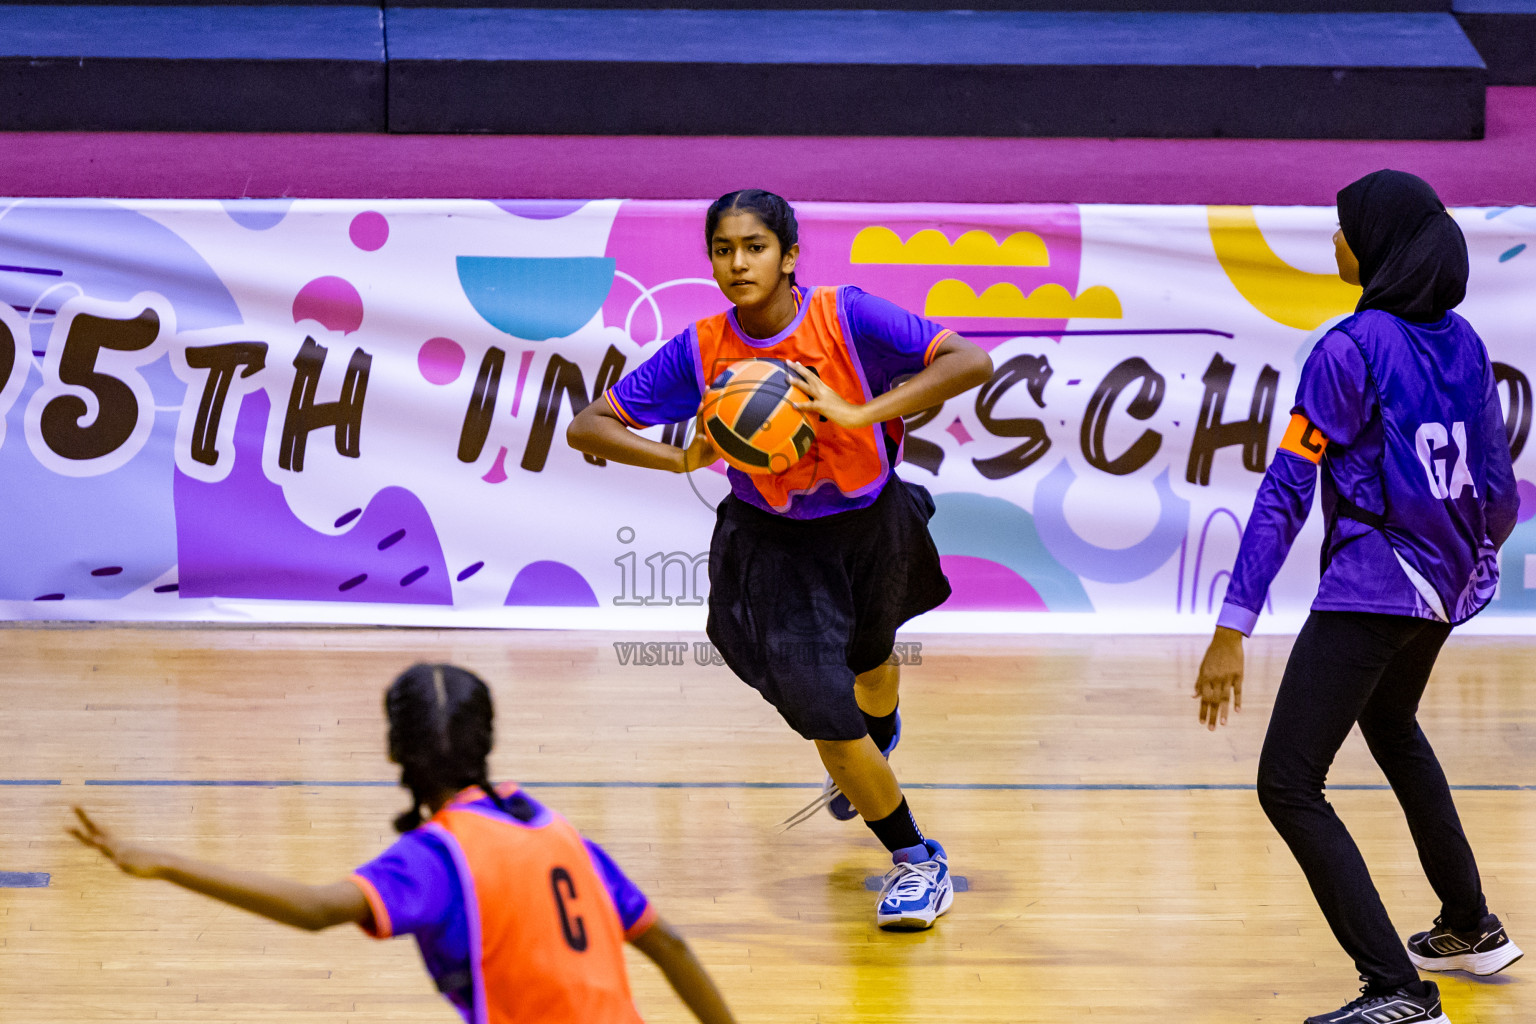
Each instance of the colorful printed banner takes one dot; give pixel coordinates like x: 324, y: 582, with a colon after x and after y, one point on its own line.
x: 354, y: 412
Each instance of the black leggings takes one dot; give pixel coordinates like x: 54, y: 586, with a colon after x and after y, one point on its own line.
x: 1349, y: 667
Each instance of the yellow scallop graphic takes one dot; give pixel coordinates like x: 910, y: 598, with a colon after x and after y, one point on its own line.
x: 1286, y: 295
x: 1048, y: 302
x: 932, y: 248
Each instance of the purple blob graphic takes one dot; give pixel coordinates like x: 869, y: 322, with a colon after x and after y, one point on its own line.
x: 347, y: 517
x: 49, y: 597
x: 412, y: 576
x: 332, y: 303
x: 551, y: 584
x: 1527, y: 492
x: 167, y: 588
x: 238, y: 538
x: 440, y: 360
x: 392, y: 540
x: 468, y: 571
x: 369, y: 231
x: 541, y: 209
x: 107, y: 570
x: 980, y: 584
x: 257, y: 214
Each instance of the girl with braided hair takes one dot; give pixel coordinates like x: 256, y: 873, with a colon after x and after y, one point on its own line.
x: 517, y: 916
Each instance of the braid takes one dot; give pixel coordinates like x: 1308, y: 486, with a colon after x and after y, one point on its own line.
x: 496, y: 798
x: 409, y: 821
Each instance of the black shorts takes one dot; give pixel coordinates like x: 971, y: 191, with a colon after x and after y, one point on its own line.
x: 798, y: 607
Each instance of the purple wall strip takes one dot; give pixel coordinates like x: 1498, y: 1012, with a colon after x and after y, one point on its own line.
x: 1494, y: 171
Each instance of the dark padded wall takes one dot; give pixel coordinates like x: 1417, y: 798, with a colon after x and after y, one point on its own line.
x: 585, y: 98
x: 1504, y: 32
x: 191, y: 95
x: 313, y: 69
x: 1226, y: 6
x: 933, y: 73
x: 802, y: 72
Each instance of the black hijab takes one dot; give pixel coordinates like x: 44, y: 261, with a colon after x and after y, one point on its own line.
x: 1413, y: 258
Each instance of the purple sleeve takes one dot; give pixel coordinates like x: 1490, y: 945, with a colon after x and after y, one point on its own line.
x: 634, y: 909
x: 1335, y: 390
x: 890, y: 342
x: 409, y: 886
x: 1501, y: 504
x: 666, y: 388
x: 1279, y: 511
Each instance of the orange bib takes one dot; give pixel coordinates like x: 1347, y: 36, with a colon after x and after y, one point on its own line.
x: 546, y: 944
x: 853, y: 461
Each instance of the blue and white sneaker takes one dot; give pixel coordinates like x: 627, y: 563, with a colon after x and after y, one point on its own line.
x: 916, y: 892
x: 838, y: 805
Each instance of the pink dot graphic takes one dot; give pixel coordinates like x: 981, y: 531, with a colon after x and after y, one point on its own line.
x: 440, y: 360
x: 331, y: 302
x: 369, y: 231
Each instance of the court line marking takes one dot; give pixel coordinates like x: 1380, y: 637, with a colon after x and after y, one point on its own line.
x: 24, y: 879
x: 1026, y: 787
x: 245, y: 783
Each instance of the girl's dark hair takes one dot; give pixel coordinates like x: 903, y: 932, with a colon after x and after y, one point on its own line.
x: 776, y: 214
x: 440, y: 734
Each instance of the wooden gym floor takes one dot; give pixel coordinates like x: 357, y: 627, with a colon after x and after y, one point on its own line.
x: 1119, y: 867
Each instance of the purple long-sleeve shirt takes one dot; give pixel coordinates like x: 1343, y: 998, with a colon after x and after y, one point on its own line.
x: 1361, y: 571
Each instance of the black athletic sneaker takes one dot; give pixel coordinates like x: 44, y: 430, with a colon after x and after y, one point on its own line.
x: 1417, y: 1003
x: 1483, y: 950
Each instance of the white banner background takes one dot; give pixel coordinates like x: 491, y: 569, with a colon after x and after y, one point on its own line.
x: 1068, y: 496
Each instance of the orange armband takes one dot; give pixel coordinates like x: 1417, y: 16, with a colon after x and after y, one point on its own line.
x: 1303, y: 438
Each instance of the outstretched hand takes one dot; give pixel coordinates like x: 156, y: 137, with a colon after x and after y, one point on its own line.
x: 311, y: 907
x: 134, y: 858
x: 826, y: 402
x: 1221, y: 678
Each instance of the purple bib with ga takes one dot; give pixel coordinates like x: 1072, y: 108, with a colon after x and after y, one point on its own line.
x: 1430, y: 382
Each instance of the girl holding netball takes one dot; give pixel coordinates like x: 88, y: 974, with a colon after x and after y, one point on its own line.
x: 1399, y: 406
x: 516, y: 915
x: 812, y: 571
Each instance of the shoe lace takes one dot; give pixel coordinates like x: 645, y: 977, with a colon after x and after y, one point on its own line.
x: 910, y: 881
x: 1366, y: 997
